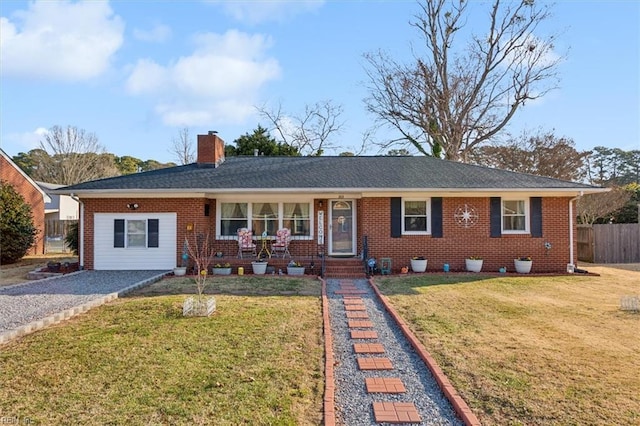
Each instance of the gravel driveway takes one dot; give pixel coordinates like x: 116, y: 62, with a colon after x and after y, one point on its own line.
x: 22, y: 304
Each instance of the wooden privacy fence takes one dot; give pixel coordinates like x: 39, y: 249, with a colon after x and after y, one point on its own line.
x: 613, y: 243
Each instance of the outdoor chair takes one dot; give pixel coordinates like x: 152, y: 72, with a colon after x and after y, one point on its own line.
x: 281, y: 243
x: 245, y: 242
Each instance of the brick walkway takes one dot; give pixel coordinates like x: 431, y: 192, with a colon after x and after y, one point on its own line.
x: 370, y: 357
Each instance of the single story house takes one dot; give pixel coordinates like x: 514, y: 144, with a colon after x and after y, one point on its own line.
x: 392, y: 207
x: 33, y: 195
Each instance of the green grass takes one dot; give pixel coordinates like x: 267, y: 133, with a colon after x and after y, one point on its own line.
x: 530, y: 350
x: 257, y: 360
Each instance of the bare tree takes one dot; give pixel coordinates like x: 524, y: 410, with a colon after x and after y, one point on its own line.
x: 592, y: 207
x: 311, y: 132
x: 541, y: 154
x: 72, y: 156
x: 183, y: 148
x: 456, y: 96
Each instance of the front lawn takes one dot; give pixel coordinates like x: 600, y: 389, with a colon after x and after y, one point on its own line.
x: 257, y: 360
x: 526, y: 350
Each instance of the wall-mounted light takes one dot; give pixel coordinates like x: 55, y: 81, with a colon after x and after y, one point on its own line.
x: 320, y: 203
x: 133, y: 206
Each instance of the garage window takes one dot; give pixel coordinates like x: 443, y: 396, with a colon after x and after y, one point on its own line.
x: 135, y: 233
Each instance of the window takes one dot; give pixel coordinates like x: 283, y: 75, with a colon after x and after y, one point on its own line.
x: 269, y: 216
x: 296, y: 217
x: 265, y: 218
x: 233, y: 216
x: 415, y: 214
x: 515, y: 215
x: 140, y: 233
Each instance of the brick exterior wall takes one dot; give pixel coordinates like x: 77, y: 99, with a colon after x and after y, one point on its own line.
x: 32, y: 196
x: 374, y: 221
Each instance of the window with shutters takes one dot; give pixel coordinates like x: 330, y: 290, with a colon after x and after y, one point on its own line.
x: 415, y: 216
x: 515, y: 216
x: 135, y: 233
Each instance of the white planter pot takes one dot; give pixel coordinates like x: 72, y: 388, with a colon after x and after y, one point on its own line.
x: 418, y: 265
x: 473, y: 265
x: 295, y: 270
x: 222, y: 271
x: 522, y: 266
x: 179, y: 271
x: 259, y: 268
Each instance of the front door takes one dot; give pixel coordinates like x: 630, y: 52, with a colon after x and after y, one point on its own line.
x: 342, y: 227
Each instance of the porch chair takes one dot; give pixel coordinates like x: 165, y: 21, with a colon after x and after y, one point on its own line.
x: 281, y: 243
x: 245, y: 242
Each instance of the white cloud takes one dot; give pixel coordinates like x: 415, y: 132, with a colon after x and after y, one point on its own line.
x: 60, y: 40
x: 157, y: 34
x: 254, y: 12
x: 219, y: 81
x: 27, y: 140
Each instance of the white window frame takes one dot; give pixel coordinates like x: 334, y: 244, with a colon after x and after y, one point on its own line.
x: 428, y: 230
x: 280, y: 219
x: 527, y: 217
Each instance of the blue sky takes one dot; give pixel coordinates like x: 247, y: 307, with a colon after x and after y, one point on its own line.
x: 136, y: 72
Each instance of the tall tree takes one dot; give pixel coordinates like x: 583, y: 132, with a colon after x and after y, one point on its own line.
x: 73, y: 156
x: 262, y: 143
x: 312, y: 131
x: 183, y: 147
x: 599, y: 207
x: 541, y: 154
x: 460, y: 96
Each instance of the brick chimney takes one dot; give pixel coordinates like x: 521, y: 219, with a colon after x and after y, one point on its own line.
x: 210, y: 149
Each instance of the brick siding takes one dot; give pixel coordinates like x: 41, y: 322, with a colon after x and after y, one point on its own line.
x: 374, y: 221
x: 32, y: 196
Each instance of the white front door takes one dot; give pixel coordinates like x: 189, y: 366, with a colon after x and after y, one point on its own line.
x: 342, y: 227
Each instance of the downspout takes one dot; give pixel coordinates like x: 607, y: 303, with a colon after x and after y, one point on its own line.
x: 80, y: 231
x: 571, y: 266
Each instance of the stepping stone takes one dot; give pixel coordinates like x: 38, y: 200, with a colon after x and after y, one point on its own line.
x: 353, y: 301
x: 368, y: 348
x: 360, y: 324
x: 350, y: 292
x: 374, y: 364
x: 355, y: 308
x: 357, y: 314
x: 395, y: 412
x: 384, y: 385
x: 364, y: 334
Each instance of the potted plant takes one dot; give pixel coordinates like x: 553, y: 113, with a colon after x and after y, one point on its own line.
x: 473, y: 263
x: 295, y: 268
x: 418, y: 264
x: 220, y: 269
x: 259, y: 267
x: 523, y: 264
x: 181, y: 270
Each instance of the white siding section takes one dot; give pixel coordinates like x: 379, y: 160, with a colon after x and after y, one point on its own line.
x: 108, y: 257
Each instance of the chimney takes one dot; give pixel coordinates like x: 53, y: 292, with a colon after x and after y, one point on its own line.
x: 210, y: 149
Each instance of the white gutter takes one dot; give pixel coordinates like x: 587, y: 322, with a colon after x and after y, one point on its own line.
x: 80, y: 231
x: 571, y: 266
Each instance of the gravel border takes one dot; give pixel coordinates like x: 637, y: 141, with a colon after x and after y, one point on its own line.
x: 31, y: 306
x: 353, y: 405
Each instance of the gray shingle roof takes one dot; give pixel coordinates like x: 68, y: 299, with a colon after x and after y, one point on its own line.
x: 307, y: 173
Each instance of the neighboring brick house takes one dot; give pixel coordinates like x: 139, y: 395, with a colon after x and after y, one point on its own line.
x: 402, y: 206
x: 32, y: 194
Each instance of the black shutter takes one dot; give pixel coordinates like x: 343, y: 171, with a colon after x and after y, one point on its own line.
x: 495, y: 209
x: 436, y: 217
x: 535, y: 203
x: 118, y: 232
x: 396, y: 217
x: 153, y: 226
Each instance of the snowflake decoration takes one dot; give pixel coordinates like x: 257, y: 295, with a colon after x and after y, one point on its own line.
x: 466, y: 216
